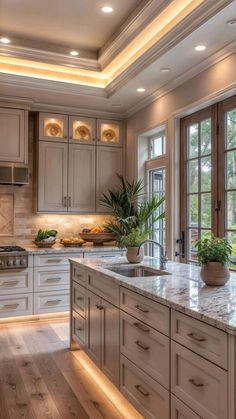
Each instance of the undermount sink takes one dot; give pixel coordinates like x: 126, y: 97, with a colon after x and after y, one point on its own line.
x: 137, y: 271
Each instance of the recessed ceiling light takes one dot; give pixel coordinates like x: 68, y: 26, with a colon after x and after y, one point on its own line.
x: 165, y: 70
x: 141, y: 89
x: 74, y: 53
x: 200, y: 48
x: 231, y: 22
x: 107, y: 9
x: 4, y: 40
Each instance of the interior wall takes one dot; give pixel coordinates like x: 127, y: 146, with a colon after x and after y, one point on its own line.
x: 18, y: 220
x: 211, y: 85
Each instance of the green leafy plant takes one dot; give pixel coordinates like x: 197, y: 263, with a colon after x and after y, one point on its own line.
x: 133, y: 239
x: 131, y: 210
x: 213, y: 249
x: 45, y: 234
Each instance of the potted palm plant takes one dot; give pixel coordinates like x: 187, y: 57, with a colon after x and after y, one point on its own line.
x: 133, y: 214
x: 214, y: 256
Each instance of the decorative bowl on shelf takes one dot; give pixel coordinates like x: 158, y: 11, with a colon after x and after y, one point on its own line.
x: 97, y: 238
x: 44, y: 244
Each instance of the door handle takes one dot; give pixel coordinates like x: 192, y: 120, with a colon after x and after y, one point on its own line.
x: 142, y: 327
x: 144, y: 310
x: 196, y: 383
x: 65, y: 201
x: 196, y: 337
x: 69, y: 201
x: 142, y: 345
x: 142, y: 390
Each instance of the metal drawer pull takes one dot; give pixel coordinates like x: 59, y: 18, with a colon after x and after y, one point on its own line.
x: 142, y: 390
x: 99, y: 307
x: 54, y: 260
x: 65, y: 201
x: 53, y: 301
x: 11, y: 283
x: 195, y: 382
x: 142, y: 327
x: 144, y: 310
x: 142, y: 345
x: 79, y: 275
x: 196, y: 337
x: 53, y: 279
x: 79, y: 298
x: 79, y: 329
x: 15, y: 305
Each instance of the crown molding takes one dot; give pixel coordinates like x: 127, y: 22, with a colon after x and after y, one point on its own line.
x: 137, y: 21
x: 34, y: 54
x: 184, y: 28
x: 51, y: 85
x: 188, y: 75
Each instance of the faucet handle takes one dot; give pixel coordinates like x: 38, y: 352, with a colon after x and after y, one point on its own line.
x: 164, y: 260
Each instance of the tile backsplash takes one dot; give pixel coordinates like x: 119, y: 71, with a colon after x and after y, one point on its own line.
x: 18, y: 220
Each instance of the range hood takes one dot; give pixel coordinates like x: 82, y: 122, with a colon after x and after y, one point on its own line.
x: 14, y: 174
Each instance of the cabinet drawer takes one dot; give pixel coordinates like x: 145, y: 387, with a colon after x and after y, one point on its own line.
x: 78, y: 329
x: 20, y: 305
x: 104, y: 287
x: 150, y: 312
x: 201, y: 338
x: 78, y: 298
x: 16, y: 282
x: 48, y: 280
x: 146, y: 347
x: 104, y: 255
x: 180, y: 411
x: 149, y: 397
x: 49, y: 302
x: 199, y: 383
x: 55, y: 259
x: 78, y: 275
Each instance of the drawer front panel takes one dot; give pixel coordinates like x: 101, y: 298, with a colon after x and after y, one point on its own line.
x: 180, y: 411
x: 146, y: 310
x: 198, y: 383
x: 49, y: 302
x: 146, y: 347
x: 201, y: 338
x: 104, y: 287
x: 16, y: 282
x: 79, y: 275
x: 20, y: 305
x: 149, y: 397
x: 55, y: 259
x: 78, y: 329
x: 78, y: 298
x: 103, y: 255
x: 48, y: 280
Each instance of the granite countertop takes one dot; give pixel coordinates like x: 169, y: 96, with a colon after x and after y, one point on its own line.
x: 182, y: 290
x: 58, y: 248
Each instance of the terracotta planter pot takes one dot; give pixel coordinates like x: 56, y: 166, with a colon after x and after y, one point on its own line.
x: 132, y: 255
x: 214, y: 273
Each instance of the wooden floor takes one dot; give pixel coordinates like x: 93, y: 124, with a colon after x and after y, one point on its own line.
x: 40, y: 378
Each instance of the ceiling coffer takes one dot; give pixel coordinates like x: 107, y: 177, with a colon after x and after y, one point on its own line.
x: 13, y: 174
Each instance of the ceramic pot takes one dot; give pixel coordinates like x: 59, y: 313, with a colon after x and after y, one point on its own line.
x: 132, y: 255
x: 214, y: 273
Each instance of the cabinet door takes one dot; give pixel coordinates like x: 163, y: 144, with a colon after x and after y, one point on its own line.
x: 81, y: 185
x: 82, y: 130
x: 110, y: 342
x: 13, y: 135
x: 53, y: 127
x: 109, y: 132
x: 52, y: 177
x: 109, y: 164
x: 93, y: 327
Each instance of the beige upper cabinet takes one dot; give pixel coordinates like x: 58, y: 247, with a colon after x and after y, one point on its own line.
x: 82, y: 130
x: 52, y: 177
x: 109, y: 164
x: 53, y: 127
x: 109, y: 133
x: 13, y: 135
x: 81, y: 181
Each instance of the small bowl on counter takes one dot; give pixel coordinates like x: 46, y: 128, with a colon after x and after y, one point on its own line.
x: 72, y: 242
x: 44, y: 244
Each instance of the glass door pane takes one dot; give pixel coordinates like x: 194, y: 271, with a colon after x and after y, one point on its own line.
x: 157, y: 188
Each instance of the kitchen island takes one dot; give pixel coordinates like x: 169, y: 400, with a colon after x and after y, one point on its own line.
x: 166, y: 340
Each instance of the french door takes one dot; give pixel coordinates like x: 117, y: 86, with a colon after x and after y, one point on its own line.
x: 208, y: 176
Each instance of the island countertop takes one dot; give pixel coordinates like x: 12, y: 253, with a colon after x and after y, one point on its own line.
x: 182, y: 290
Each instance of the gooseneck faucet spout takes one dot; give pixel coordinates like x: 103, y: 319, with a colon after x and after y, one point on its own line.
x: 163, y: 257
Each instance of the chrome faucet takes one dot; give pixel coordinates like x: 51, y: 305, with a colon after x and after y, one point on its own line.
x: 163, y: 257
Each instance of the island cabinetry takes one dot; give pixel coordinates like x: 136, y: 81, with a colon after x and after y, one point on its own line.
x: 101, y: 285
x: 180, y: 411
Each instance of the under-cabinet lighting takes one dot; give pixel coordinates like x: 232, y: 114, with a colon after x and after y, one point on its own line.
x: 141, y: 89
x: 74, y: 53
x: 4, y: 40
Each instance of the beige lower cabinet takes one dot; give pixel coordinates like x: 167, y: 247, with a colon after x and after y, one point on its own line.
x: 171, y: 366
x: 102, y: 326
